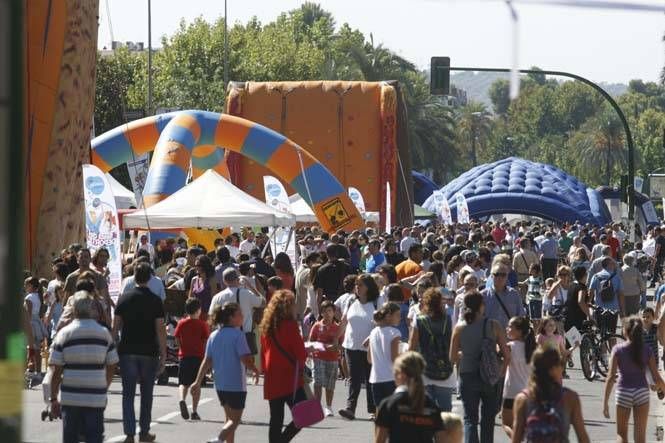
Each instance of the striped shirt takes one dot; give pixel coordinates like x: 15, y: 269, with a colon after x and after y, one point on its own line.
x: 84, y: 349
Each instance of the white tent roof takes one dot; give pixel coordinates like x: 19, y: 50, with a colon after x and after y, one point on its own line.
x: 124, y: 198
x: 301, y: 210
x: 211, y: 202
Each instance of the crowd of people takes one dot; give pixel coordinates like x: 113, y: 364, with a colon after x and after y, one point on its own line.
x: 415, y: 317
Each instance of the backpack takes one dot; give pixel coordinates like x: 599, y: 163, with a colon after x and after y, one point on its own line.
x: 607, y: 289
x: 544, y: 423
x: 436, y: 352
x: 490, y: 366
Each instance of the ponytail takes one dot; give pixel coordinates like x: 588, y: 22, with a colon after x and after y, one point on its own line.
x: 523, y: 325
x: 472, y: 303
x: 385, y: 310
x: 633, y: 330
x: 411, y: 365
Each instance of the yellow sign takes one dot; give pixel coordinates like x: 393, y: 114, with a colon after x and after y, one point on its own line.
x: 336, y: 213
x: 11, y: 384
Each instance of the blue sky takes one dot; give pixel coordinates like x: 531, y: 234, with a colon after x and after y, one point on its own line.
x: 609, y: 46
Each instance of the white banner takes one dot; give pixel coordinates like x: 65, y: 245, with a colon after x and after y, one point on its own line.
x: 101, y: 222
x: 663, y: 208
x: 388, y: 208
x: 638, y: 182
x: 138, y: 172
x: 444, y: 213
x: 281, y: 239
x: 357, y: 199
x: 462, y: 209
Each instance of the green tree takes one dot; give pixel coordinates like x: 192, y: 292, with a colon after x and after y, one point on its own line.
x: 499, y: 94
x: 474, y: 127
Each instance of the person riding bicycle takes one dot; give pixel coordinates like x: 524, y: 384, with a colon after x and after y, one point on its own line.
x: 606, y: 291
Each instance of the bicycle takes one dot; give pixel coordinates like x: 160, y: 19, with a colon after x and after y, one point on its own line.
x: 597, y: 343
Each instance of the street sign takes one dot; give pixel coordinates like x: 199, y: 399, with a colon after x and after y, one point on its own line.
x: 133, y: 114
x: 656, y: 186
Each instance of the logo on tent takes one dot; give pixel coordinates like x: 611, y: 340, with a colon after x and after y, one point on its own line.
x: 336, y: 214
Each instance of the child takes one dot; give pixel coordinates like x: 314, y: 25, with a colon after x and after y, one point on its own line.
x: 548, y: 335
x: 395, y: 295
x: 326, y: 362
x: 534, y: 297
x: 32, y: 304
x: 522, y: 344
x: 547, y: 303
x: 383, y: 349
x: 227, y: 353
x: 55, y: 310
x: 453, y: 430
x: 191, y: 334
x: 650, y: 331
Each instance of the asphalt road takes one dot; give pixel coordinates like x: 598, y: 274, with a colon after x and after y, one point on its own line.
x: 170, y: 427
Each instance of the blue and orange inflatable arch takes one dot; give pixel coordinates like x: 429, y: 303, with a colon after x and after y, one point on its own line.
x: 201, y: 136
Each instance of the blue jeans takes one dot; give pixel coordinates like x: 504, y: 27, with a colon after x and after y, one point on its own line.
x: 89, y: 421
x: 443, y: 397
x: 382, y: 390
x: 135, y: 369
x: 473, y: 391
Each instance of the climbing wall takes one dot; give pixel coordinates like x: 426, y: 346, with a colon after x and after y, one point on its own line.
x: 61, y: 44
x: 351, y: 127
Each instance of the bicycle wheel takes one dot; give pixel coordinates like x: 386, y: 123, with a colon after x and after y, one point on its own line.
x: 588, y: 358
x: 605, y: 350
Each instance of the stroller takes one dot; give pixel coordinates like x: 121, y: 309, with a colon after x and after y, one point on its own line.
x: 46, y: 390
x: 172, y: 362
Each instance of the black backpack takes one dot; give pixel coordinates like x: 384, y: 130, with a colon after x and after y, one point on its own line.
x: 435, y: 349
x: 607, y: 289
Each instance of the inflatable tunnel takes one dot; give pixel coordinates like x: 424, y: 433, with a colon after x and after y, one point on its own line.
x: 517, y: 186
x: 176, y: 136
x: 355, y: 129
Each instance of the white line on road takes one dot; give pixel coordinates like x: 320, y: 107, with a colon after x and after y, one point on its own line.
x: 162, y: 419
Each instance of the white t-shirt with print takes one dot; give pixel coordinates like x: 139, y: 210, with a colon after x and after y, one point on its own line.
x: 380, y: 345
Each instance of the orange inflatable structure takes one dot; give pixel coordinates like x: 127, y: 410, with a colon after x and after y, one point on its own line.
x: 357, y: 130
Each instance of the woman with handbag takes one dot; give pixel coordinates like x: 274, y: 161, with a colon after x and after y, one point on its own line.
x: 430, y: 336
x: 283, y: 359
x: 473, y: 349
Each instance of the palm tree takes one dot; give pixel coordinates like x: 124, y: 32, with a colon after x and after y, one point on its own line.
x: 313, y: 12
x: 474, y: 126
x: 377, y: 63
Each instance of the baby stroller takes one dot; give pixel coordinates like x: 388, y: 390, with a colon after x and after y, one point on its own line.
x: 172, y: 362
x: 46, y: 390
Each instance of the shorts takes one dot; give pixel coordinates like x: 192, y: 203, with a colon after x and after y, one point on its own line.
x: 508, y: 403
x: 188, y: 369
x: 535, y: 309
x: 325, y: 373
x: 232, y: 399
x: 629, y: 398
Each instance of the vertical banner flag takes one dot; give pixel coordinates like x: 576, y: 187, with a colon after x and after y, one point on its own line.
x: 388, y: 208
x: 138, y: 172
x: 281, y: 239
x: 462, y: 209
x: 663, y: 208
x: 446, y: 215
x: 638, y: 183
x: 357, y: 199
x: 101, y: 222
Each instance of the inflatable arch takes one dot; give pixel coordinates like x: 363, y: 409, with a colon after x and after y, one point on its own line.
x: 517, y: 186
x: 180, y: 136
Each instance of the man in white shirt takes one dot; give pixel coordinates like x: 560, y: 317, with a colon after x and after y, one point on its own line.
x: 155, y: 284
x: 240, y: 292
x: 146, y: 246
x: 407, y: 240
x: 247, y: 244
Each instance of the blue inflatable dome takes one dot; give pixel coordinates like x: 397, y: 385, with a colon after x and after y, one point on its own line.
x: 423, y: 187
x: 517, y: 186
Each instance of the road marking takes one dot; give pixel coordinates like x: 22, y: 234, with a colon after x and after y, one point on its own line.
x: 163, y: 419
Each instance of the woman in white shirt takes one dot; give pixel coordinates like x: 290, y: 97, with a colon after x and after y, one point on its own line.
x: 357, y: 323
x: 383, y: 349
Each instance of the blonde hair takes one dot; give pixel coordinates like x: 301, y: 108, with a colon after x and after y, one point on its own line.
x: 451, y: 421
x: 411, y: 365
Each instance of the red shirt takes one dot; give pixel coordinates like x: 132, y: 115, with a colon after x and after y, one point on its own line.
x: 613, y: 243
x: 192, y: 334
x: 278, y: 370
x: 498, y: 234
x: 325, y: 334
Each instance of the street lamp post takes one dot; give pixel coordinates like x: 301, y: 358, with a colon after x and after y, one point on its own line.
x: 226, y: 48
x: 149, y: 58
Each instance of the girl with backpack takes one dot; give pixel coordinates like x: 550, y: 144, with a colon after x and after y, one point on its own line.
x: 473, y: 350
x: 382, y: 351
x: 545, y: 410
x: 430, y: 336
x: 522, y: 343
x: 631, y: 359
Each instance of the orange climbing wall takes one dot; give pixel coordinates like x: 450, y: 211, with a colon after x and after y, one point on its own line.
x: 347, y: 126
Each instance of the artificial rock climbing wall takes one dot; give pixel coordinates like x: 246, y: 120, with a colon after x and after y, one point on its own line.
x: 61, y: 45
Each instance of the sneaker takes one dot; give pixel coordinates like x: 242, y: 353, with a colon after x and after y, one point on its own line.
x: 372, y: 417
x: 327, y: 412
x: 195, y: 416
x: 147, y: 437
x: 183, y: 410
x: 128, y: 439
x: 215, y: 440
x: 347, y: 414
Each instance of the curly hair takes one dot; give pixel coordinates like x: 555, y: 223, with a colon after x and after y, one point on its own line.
x: 279, y: 308
x: 431, y: 303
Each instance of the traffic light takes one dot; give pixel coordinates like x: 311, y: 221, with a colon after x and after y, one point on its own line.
x: 439, y: 76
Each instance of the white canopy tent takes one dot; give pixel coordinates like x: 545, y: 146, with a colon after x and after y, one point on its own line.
x: 124, y: 198
x: 210, y: 202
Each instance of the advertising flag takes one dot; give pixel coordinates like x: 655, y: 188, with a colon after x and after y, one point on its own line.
x: 388, y: 208
x: 138, y: 172
x: 444, y: 213
x: 357, y: 199
x: 101, y: 223
x: 281, y: 239
x: 462, y: 208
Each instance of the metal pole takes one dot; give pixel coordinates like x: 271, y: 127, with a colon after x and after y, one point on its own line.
x: 12, y: 236
x: 226, y: 48
x: 612, y: 102
x: 149, y: 57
